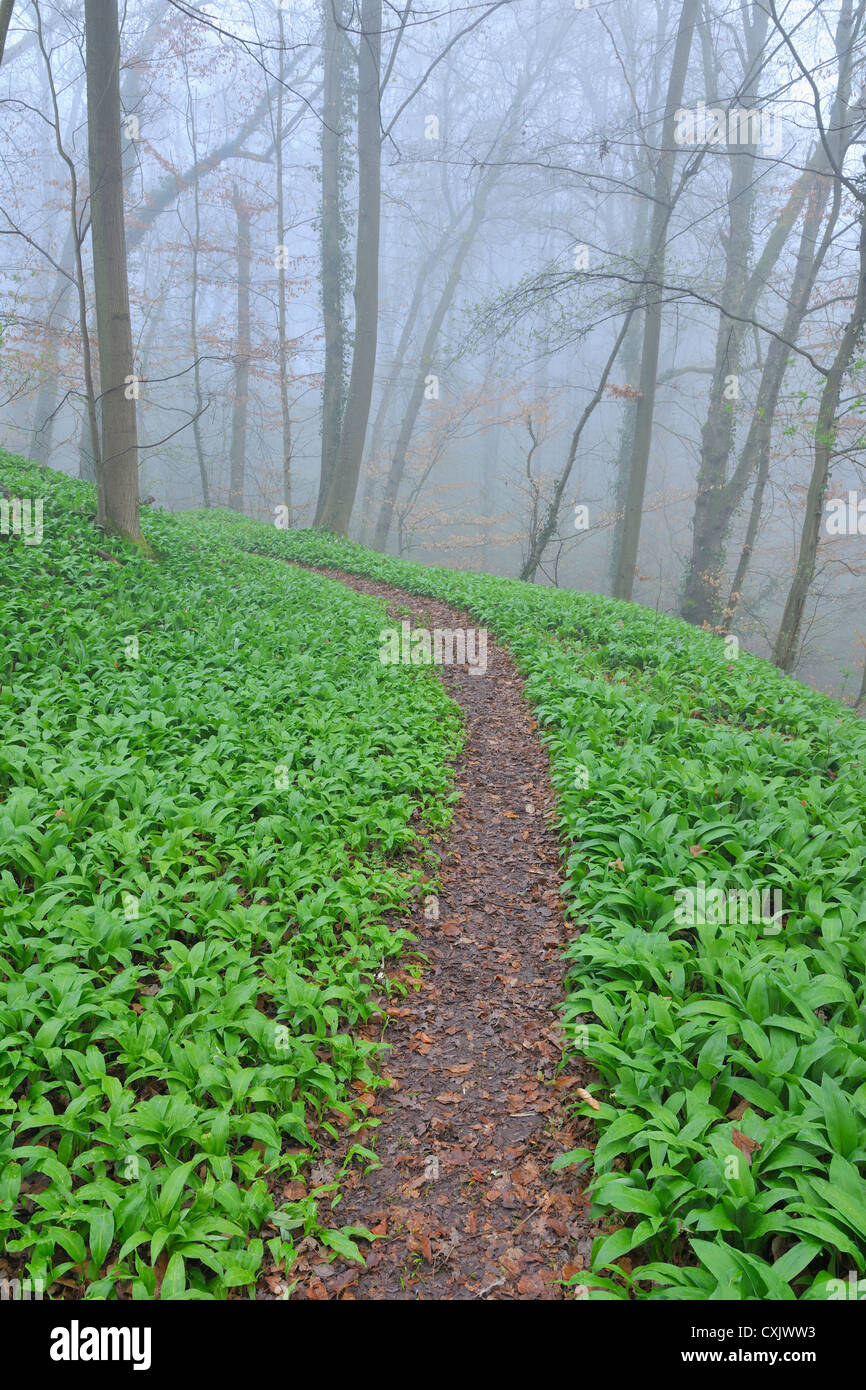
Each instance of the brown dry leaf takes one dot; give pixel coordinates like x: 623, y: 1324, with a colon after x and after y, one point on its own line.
x: 746, y: 1145
x: 569, y: 1270
x: 513, y: 1261
x: 585, y: 1095
x: 738, y: 1111
x: 531, y: 1286
x: 450, y: 1098
x: 341, y: 1283
x: 460, y: 1070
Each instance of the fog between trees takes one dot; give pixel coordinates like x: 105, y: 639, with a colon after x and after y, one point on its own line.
x: 573, y: 292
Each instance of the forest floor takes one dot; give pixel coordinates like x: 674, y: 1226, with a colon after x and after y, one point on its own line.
x: 466, y: 1200
x: 270, y: 800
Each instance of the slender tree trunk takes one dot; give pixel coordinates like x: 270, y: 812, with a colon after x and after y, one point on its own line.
x: 410, y: 417
x: 787, y: 642
x: 118, y: 480
x: 755, y: 457
x: 630, y: 368
x: 718, y: 497
x: 131, y: 90
x: 198, y: 394
x: 546, y: 529
x: 333, y: 233
x: 662, y: 209
x: 195, y: 242
x: 630, y: 357
x: 242, y: 357
x: 89, y: 455
x: 497, y: 160
x: 337, y: 512
x: 392, y: 384
x: 42, y: 428
x: 701, y: 597
x: 285, y: 409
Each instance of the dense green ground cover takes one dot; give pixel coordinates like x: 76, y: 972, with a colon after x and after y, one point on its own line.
x: 676, y: 765
x: 198, y: 842
x: 244, y: 783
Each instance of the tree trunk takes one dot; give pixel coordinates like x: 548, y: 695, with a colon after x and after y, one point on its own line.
x: 495, y: 164
x: 333, y: 233
x: 662, y: 209
x: 285, y: 410
x: 392, y: 384
x: 630, y: 356
x: 198, y: 395
x: 548, y: 526
x: 755, y: 457
x: 701, y: 598
x: 787, y: 641
x: 242, y: 357
x: 718, y: 498
x: 337, y: 511
x: 410, y: 417
x: 118, y: 474
x: 131, y: 91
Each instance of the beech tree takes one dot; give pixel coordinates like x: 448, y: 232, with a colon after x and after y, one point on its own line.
x: 651, y: 303
x: 343, y: 483
x: 243, y: 258
x: 118, y: 464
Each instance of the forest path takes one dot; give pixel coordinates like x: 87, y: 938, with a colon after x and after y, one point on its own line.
x: 466, y: 1198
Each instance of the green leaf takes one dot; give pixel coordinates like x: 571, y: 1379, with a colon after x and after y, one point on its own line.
x: 101, y: 1235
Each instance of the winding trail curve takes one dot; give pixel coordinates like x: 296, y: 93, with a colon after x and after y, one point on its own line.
x: 466, y: 1200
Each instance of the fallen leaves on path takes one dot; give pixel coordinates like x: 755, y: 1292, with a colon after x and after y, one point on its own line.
x: 465, y: 1202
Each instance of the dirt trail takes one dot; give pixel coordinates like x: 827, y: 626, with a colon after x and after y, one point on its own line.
x: 465, y: 1196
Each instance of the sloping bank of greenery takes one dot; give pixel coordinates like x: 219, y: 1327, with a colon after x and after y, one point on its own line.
x: 206, y: 781
x: 710, y: 1040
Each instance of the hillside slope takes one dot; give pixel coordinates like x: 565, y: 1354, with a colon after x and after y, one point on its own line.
x: 692, y: 785
x: 209, y: 789
x: 731, y: 1051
